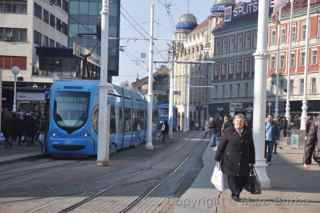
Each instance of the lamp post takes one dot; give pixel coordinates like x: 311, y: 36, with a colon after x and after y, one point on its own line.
x: 0, y: 100
x: 259, y: 105
x: 104, y: 116
x: 171, y: 95
x: 276, y: 104
x: 15, y: 71
x: 306, y: 70
x: 149, y: 144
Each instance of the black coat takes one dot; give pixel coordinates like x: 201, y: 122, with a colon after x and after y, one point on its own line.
x: 236, y: 152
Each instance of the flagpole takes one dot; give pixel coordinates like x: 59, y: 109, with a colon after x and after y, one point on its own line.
x: 306, y: 69
x: 289, y: 65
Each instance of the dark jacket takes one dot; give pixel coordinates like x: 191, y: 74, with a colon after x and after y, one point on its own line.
x: 236, y: 152
x: 312, y: 141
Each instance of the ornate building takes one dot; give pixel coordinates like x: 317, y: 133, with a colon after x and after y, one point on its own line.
x: 193, y: 43
x: 297, y: 59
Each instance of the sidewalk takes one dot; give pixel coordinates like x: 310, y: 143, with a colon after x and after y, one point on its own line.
x: 294, y: 189
x: 18, y: 153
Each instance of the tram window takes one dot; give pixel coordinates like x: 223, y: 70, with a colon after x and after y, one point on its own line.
x: 112, y: 120
x: 141, y: 119
x: 121, y: 123
x: 127, y: 120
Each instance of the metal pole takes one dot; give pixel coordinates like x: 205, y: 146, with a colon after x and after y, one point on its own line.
x: 289, y: 65
x: 306, y: 69
x: 0, y: 100
x: 104, y: 119
x: 187, y: 114
x: 14, y: 107
x: 259, y: 105
x: 171, y: 93
x: 276, y: 105
x: 149, y: 144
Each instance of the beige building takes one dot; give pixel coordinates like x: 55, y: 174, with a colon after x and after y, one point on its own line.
x: 24, y: 25
x: 193, y: 43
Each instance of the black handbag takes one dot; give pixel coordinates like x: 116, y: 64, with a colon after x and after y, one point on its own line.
x: 253, y: 185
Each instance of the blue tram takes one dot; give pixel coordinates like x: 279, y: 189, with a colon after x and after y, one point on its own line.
x: 73, y: 118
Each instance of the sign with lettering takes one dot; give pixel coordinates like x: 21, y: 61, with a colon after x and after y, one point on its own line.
x: 246, y: 8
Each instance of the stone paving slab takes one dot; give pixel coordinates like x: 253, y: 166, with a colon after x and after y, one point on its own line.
x: 294, y: 189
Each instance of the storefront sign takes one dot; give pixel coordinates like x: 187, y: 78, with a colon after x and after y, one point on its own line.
x: 30, y: 96
x: 246, y: 8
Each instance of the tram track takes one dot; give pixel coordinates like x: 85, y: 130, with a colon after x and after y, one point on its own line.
x: 159, y: 182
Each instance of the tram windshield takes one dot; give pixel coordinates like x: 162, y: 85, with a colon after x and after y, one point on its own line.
x: 71, y: 109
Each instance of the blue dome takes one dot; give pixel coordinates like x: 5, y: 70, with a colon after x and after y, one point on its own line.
x: 186, y: 22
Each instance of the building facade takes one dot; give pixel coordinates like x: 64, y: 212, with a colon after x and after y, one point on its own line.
x: 84, y: 29
x: 193, y: 44
x: 296, y: 80
x: 24, y: 26
x: 231, y: 78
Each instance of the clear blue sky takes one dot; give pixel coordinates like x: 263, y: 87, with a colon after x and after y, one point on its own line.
x: 164, y: 28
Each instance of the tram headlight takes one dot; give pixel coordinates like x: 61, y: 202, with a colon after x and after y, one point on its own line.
x: 54, y: 134
x: 85, y: 134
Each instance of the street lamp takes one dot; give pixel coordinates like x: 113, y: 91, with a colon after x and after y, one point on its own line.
x: 15, y: 71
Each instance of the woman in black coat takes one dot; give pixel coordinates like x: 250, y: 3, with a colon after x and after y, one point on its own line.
x: 237, y: 155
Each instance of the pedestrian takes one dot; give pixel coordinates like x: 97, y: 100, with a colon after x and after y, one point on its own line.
x: 276, y: 135
x: 164, y: 131
x: 312, y: 146
x: 236, y: 155
x: 212, y: 131
x: 270, y: 138
x: 226, y: 124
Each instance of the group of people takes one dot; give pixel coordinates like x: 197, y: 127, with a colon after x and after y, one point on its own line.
x: 20, y: 128
x: 236, y: 152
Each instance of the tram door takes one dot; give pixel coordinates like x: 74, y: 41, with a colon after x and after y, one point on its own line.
x: 127, y: 134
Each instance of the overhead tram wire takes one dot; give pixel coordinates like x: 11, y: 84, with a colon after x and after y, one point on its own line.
x: 136, y: 24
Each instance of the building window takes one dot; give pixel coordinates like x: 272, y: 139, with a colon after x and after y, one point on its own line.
x: 294, y: 33
x: 318, y: 28
x: 283, y: 35
x: 303, y: 32
x: 239, y: 70
x: 246, y: 89
x: 37, y: 11
x: 293, y: 60
x: 273, y: 37
x: 302, y: 58
x: 223, y: 90
x: 64, y: 28
x: 7, y: 62
x: 314, y: 86
x: 282, y: 61
x: 248, y: 40
x: 65, y: 6
x: 37, y: 38
x: 45, y: 16
x: 13, y: 34
x: 291, y: 86
x: 301, y: 86
x: 273, y: 62
x: 240, y: 41
x: 52, y: 21
x: 13, y: 6
x: 58, y: 25
x: 230, y: 90
x: 238, y: 90
x: 52, y: 43
x: 45, y: 41
x: 314, y: 56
